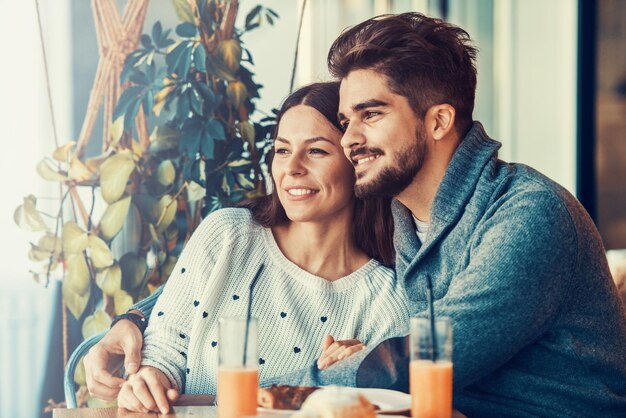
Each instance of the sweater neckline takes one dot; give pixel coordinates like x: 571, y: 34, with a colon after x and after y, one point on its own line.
x: 310, y: 280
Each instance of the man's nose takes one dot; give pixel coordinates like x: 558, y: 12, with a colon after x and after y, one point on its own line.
x: 352, y: 137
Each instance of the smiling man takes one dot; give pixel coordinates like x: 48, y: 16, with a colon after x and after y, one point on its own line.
x: 515, y: 260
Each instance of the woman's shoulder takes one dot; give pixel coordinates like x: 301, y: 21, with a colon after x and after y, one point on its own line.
x: 380, y: 271
x: 228, y: 221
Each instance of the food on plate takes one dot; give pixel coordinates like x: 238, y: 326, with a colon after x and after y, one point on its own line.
x: 336, y: 402
x: 284, y: 396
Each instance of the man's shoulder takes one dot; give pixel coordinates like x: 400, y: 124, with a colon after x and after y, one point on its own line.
x: 520, y: 187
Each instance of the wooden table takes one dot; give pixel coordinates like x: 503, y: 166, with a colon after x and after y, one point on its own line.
x: 188, y: 406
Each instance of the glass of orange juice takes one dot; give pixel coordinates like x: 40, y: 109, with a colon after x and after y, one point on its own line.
x: 238, y: 371
x: 430, y: 369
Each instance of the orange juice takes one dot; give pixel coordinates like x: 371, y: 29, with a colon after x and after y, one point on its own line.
x: 431, y: 388
x: 237, y: 389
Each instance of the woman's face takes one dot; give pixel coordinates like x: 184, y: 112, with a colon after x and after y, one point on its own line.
x: 314, y: 179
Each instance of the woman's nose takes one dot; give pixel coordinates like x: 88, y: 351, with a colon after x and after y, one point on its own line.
x: 295, y: 166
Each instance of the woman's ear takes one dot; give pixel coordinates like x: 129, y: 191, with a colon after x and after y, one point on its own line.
x: 440, y: 120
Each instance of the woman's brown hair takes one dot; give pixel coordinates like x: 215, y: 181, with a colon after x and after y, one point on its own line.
x: 372, y: 223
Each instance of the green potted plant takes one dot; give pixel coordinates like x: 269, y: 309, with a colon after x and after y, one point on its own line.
x: 195, y: 94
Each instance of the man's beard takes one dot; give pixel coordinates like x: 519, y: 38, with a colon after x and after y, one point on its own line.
x: 392, y: 180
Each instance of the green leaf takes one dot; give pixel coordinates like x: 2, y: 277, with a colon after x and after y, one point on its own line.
x: 246, y: 130
x: 99, y: 252
x: 183, y: 10
x: 237, y: 93
x: 27, y: 217
x: 117, y: 130
x: 166, y: 173
x: 272, y: 12
x: 110, y: 279
x: 146, y: 41
x: 75, y: 302
x: 206, y: 93
x: 164, y: 138
x: 157, y: 31
x: 95, y: 324
x: 252, y: 14
x: 199, y: 58
x: 190, y: 139
x: 216, y: 129
x: 38, y: 254
x: 186, y: 30
x: 79, y: 171
x: 131, y: 114
x: 114, y: 217
x: 79, y: 374
x: 148, y: 206
x: 133, y: 271
x: 78, y: 277
x: 167, y: 212
x: 114, y: 174
x: 130, y: 95
x: 195, y: 192
x: 75, y: 239
x: 48, y: 173
x: 148, y: 102
x: 219, y: 69
x: 62, y: 153
x: 168, y: 266
x: 123, y: 301
x: 229, y: 51
x: 244, y: 181
x: 196, y: 101
x: 51, y: 243
x: 207, y: 144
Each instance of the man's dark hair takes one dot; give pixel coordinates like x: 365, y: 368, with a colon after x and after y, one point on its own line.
x: 426, y: 60
x: 372, y: 223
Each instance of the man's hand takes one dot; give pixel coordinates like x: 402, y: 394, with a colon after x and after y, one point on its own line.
x: 334, y: 351
x: 121, y: 345
x: 147, y: 390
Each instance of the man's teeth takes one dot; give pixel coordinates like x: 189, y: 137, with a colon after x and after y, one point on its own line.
x: 300, y: 192
x: 366, y: 159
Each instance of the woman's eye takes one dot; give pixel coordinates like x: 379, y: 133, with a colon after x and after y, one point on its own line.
x: 317, y: 151
x: 281, y: 151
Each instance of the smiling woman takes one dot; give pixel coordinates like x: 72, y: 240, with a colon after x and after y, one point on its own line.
x: 321, y: 285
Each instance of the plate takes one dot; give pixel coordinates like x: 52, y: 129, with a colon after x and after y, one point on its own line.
x: 389, y: 401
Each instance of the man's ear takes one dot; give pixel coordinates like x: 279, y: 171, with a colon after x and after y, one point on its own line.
x: 440, y: 120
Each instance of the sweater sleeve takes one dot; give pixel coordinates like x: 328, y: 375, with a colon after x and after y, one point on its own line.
x: 514, y: 285
x: 166, y: 339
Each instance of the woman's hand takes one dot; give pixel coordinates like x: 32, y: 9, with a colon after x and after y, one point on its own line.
x: 334, y: 351
x: 147, y: 390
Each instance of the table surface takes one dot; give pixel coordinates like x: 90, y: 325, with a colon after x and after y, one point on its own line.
x: 187, y: 406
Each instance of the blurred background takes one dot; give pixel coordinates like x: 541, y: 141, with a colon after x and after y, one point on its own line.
x: 551, y: 88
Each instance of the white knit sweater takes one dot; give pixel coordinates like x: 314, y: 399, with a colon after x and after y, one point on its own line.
x: 295, y: 309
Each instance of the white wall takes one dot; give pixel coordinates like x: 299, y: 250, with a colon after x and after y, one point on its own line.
x: 526, y: 92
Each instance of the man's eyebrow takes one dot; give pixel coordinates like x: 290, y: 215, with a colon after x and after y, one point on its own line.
x: 306, y: 141
x: 364, y: 105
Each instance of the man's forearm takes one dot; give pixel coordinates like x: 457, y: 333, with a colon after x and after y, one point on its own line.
x: 383, y: 366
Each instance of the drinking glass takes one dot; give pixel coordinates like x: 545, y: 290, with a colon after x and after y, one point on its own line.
x: 238, y: 371
x: 430, y: 370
